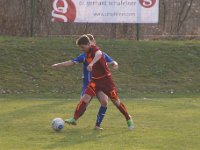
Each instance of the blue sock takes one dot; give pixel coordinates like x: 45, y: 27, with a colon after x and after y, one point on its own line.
x: 100, y: 116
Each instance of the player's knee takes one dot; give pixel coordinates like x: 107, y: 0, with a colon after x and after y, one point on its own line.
x: 103, y: 98
x: 104, y: 102
x: 86, y: 98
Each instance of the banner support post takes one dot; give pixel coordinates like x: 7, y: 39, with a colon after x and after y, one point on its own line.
x: 137, y: 31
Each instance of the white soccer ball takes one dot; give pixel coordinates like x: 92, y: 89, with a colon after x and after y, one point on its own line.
x: 58, y: 124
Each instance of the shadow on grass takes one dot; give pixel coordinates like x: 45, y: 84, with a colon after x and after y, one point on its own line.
x: 77, y: 137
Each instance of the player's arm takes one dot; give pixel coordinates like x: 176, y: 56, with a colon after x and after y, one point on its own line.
x: 97, y: 57
x: 77, y: 60
x: 110, y: 61
x: 63, y: 64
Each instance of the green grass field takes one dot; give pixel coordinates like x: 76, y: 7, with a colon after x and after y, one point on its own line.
x: 159, y: 80
x: 161, y: 124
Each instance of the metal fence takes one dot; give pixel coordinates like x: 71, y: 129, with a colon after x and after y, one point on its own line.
x: 178, y: 19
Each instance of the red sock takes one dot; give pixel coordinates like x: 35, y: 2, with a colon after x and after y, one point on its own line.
x: 80, y: 109
x: 123, y: 110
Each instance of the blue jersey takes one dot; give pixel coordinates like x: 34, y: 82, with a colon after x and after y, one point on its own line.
x: 87, y: 76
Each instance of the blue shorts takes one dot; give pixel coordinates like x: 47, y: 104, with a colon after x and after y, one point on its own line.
x: 83, y: 90
x: 85, y: 84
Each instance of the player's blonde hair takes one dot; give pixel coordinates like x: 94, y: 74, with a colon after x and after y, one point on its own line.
x: 91, y: 37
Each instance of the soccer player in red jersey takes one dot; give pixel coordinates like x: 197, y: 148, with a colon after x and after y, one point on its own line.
x: 101, y: 81
x: 87, y: 76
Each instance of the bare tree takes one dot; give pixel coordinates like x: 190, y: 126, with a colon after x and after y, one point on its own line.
x: 183, y: 13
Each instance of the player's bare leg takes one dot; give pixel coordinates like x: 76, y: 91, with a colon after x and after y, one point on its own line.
x: 124, y: 111
x: 103, y: 99
x: 80, y: 109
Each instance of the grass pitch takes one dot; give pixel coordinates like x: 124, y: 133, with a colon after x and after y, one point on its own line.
x: 147, y: 69
x: 161, y: 124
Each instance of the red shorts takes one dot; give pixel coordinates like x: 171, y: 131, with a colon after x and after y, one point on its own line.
x: 105, y: 84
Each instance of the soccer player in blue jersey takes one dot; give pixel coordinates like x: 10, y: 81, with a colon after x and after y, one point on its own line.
x: 87, y: 76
